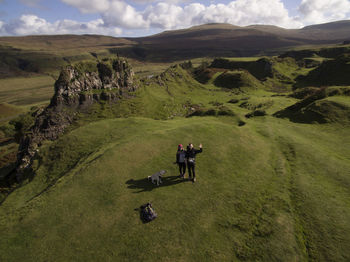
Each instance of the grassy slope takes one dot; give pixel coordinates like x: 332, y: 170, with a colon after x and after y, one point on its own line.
x: 259, y: 194
x: 271, y: 190
x: 7, y: 111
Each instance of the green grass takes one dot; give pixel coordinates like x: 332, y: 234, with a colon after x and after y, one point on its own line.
x: 260, y: 194
x: 144, y: 69
x: 235, y: 79
x: 23, y: 91
x: 268, y: 190
x: 8, y: 111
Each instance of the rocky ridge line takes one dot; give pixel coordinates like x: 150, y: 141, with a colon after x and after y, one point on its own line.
x: 76, y: 89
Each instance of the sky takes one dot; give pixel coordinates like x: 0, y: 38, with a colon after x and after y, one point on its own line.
x: 146, y: 17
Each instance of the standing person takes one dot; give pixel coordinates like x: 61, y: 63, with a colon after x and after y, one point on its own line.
x: 191, y: 160
x: 180, y: 160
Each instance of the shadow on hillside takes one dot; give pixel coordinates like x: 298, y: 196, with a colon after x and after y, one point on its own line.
x: 146, y: 185
x: 9, y: 182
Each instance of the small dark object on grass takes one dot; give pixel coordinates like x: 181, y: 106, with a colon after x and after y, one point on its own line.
x: 147, y: 213
x: 233, y: 101
x: 241, y: 123
x: 258, y: 112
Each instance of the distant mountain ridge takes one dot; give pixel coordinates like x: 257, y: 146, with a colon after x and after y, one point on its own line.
x: 340, y: 30
x: 203, y: 40
x: 231, y: 40
x: 331, y: 25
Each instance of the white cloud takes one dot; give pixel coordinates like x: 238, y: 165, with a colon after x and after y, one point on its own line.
x: 116, y: 14
x: 121, y: 14
x: 2, y: 30
x: 320, y: 11
x: 113, y: 12
x: 33, y: 25
x: 239, y: 12
x: 163, y: 15
x: 167, y: 15
x: 242, y: 12
x: 175, y: 14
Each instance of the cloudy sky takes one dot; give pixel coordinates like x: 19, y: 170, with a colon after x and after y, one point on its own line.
x: 144, y: 17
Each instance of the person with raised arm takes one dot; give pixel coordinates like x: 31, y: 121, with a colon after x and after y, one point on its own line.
x: 191, y: 160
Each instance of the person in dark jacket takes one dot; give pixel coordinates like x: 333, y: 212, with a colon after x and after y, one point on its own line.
x: 180, y: 160
x: 191, y: 160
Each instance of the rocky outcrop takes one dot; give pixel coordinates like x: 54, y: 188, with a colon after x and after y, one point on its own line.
x: 77, y: 88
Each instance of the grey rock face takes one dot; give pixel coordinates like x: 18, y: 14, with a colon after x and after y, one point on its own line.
x: 75, y: 91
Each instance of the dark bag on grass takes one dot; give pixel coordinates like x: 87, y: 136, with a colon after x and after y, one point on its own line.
x: 147, y: 213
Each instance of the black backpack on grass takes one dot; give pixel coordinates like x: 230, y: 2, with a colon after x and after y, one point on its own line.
x: 147, y: 213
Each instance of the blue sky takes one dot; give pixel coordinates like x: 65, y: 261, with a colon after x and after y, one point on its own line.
x: 143, y: 17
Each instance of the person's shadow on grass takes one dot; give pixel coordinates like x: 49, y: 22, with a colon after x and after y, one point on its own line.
x: 146, y: 185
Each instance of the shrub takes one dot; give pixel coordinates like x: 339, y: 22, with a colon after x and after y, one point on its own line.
x: 105, y: 70
x: 22, y: 125
x: 85, y: 67
x: 258, y: 112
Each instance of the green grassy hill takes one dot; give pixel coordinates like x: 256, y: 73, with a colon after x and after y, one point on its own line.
x: 268, y: 189
x: 237, y: 80
x: 323, y: 105
x: 265, y: 191
x: 330, y: 72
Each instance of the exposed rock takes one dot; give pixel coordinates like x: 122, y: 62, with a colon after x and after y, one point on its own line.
x: 75, y: 91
